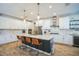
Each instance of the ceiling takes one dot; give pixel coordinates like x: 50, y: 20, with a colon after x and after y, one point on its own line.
x: 17, y: 9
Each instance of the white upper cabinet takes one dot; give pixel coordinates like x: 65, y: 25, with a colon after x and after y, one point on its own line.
x: 64, y: 22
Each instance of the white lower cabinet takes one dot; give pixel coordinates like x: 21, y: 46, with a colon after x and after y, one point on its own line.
x: 57, y: 38
x: 68, y: 39
x: 64, y: 39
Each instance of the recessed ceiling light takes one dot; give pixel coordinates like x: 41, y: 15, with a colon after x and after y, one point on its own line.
x: 50, y: 6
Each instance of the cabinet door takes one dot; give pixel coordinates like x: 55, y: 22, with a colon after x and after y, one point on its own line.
x: 58, y: 39
x: 76, y: 40
x: 65, y: 39
x: 68, y: 39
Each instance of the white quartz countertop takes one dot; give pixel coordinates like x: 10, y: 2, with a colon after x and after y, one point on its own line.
x: 43, y: 37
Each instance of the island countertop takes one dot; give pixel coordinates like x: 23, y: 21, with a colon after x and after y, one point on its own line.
x: 43, y: 37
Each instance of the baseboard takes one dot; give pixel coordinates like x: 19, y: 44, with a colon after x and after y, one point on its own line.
x: 63, y: 44
x: 8, y: 43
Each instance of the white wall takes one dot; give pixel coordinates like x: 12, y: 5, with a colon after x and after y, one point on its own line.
x: 9, y: 28
x: 7, y: 36
x: 9, y: 23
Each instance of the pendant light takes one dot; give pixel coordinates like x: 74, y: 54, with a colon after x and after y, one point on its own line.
x: 24, y: 19
x: 38, y: 16
x: 24, y: 15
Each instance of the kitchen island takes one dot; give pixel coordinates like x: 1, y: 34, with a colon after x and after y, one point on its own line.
x: 41, y: 43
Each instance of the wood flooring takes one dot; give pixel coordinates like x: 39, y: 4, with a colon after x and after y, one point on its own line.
x: 12, y: 49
